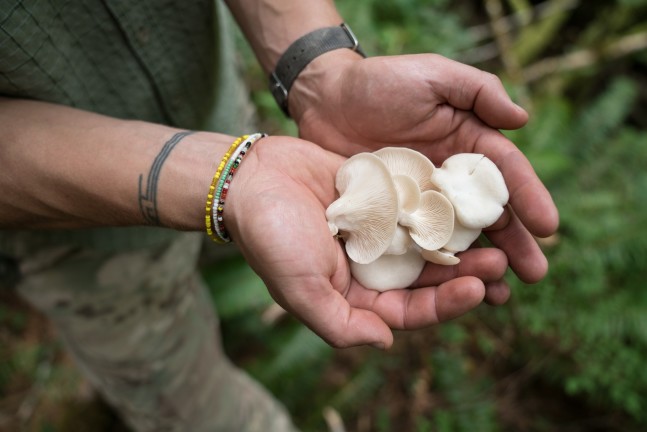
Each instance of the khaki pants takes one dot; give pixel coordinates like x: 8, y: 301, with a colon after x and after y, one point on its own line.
x: 141, y: 326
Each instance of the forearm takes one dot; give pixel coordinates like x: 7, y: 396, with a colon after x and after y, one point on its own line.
x: 271, y: 26
x: 65, y: 168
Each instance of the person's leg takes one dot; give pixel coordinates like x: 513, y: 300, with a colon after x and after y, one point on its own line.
x: 141, y: 325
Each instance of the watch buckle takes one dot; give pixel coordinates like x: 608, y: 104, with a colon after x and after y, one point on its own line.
x: 278, y: 85
x: 351, y: 36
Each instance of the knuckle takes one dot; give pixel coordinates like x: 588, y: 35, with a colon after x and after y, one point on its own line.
x: 492, y: 79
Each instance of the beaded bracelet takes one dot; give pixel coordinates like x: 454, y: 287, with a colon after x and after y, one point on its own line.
x: 212, y: 189
x: 221, y: 192
x: 221, y: 182
x: 223, y: 188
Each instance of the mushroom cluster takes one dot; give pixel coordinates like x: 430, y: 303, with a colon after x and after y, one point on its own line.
x: 396, y: 211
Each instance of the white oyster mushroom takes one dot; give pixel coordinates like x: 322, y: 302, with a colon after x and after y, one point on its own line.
x: 475, y: 187
x: 462, y: 237
x: 405, y: 161
x: 431, y: 225
x: 408, y: 193
x: 440, y: 256
x: 366, y: 212
x: 389, y: 271
x: 400, y: 243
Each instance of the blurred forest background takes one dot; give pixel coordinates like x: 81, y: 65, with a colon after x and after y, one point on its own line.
x: 566, y: 354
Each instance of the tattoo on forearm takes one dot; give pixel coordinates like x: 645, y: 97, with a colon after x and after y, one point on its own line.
x: 148, y: 196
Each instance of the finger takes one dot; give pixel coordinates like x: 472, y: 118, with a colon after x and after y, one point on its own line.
x: 327, y: 313
x: 418, y: 308
x: 525, y: 257
x: 501, y: 223
x: 487, y: 264
x: 497, y: 293
x: 528, y: 196
x: 475, y: 90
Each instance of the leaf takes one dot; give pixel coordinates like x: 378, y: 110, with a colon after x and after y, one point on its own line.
x: 236, y: 289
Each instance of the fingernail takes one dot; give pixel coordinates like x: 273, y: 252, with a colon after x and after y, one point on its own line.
x: 379, y: 345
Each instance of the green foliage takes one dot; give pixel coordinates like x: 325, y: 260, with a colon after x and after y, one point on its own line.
x: 17, y: 361
x: 237, y: 290
x: 593, y: 303
x: 537, y: 36
x: 431, y: 26
x: 21, y: 361
x: 467, y: 406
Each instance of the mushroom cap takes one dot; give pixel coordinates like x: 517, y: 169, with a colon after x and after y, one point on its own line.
x: 431, y: 225
x: 475, y: 187
x: 440, y: 256
x: 408, y: 193
x: 409, y: 162
x: 462, y: 237
x: 389, y: 271
x: 366, y: 212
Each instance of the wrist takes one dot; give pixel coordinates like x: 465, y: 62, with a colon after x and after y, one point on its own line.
x: 241, y: 190
x: 221, y: 183
x: 302, y: 52
x: 184, y: 181
x: 320, y: 79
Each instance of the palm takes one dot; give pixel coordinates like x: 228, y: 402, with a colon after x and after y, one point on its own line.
x: 281, y: 229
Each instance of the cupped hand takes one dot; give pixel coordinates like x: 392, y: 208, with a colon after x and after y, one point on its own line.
x: 275, y: 212
x: 439, y: 107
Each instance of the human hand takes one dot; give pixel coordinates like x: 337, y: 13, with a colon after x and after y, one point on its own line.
x: 276, y: 214
x: 438, y: 107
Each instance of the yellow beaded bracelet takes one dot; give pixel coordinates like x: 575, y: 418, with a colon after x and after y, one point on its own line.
x: 209, y: 223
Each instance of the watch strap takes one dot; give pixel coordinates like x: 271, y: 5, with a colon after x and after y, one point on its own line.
x: 302, y: 52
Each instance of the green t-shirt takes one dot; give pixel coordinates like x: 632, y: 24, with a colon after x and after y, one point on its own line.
x: 152, y: 60
x: 162, y: 61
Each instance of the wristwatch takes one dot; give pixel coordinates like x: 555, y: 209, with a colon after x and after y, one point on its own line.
x: 302, y: 52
